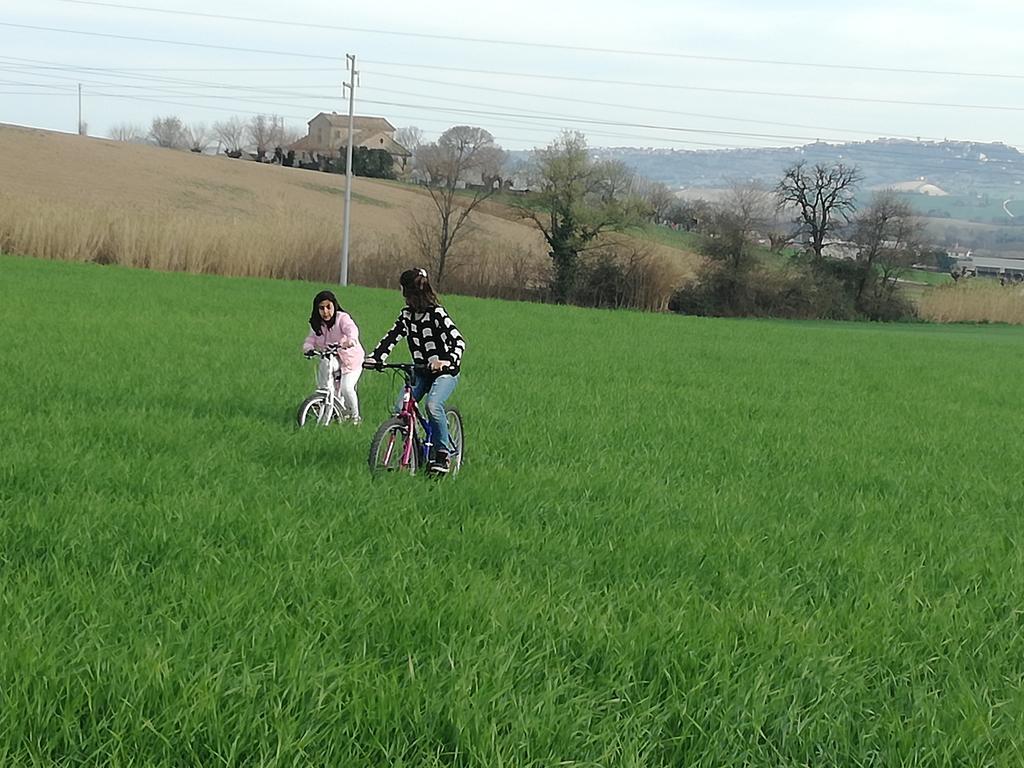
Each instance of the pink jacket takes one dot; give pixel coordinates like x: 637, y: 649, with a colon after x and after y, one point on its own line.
x: 345, y: 333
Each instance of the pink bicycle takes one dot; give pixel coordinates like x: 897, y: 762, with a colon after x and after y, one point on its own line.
x: 404, y: 443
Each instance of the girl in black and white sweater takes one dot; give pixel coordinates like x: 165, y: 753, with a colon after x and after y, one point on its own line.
x: 436, y: 347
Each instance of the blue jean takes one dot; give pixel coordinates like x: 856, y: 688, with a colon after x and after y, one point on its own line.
x: 437, y: 391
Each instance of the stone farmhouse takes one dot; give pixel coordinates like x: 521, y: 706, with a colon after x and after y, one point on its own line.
x: 327, y: 138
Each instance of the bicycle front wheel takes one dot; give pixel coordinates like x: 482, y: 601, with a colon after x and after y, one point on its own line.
x: 312, y: 411
x: 389, y: 447
x: 456, y: 436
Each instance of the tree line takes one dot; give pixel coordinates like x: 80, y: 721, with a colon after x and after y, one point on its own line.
x: 265, y: 132
x: 804, y: 248
x: 766, y: 250
x: 799, y: 249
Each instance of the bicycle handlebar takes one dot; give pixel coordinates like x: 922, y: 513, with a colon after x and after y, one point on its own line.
x: 331, y: 349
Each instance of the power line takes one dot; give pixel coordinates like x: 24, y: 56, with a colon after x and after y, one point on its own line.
x: 35, y: 85
x: 527, y: 113
x: 554, y: 121
x: 674, y: 86
x: 174, y: 85
x: 552, y: 46
x: 619, y: 105
x: 264, y: 89
x: 616, y: 105
x: 189, y: 44
x: 522, y: 114
x: 565, y: 78
x: 539, y: 129
x: 910, y: 163
x: 558, y: 121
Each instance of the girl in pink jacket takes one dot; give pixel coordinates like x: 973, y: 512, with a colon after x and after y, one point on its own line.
x: 330, y: 324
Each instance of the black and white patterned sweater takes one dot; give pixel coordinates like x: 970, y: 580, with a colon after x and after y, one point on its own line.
x: 432, y: 335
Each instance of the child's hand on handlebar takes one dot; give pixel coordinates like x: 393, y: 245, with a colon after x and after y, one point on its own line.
x: 439, y: 365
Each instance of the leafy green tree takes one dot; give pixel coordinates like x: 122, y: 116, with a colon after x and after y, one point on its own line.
x: 573, y: 201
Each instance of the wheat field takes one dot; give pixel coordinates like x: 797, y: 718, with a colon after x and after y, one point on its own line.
x: 781, y: 544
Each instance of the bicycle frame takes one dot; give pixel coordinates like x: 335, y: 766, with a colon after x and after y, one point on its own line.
x: 405, y: 441
x: 410, y: 413
x: 326, y: 370
x: 325, y: 373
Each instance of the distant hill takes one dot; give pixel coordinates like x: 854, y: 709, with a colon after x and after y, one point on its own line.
x: 956, y: 167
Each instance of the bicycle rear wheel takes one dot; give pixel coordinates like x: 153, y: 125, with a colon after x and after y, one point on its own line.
x: 456, y: 436
x: 387, y: 448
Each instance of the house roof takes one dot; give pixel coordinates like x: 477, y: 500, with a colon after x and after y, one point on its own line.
x: 381, y: 140
x: 996, y: 262
x: 305, y: 144
x: 359, y: 122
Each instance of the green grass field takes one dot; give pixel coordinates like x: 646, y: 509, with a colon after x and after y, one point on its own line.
x: 986, y: 210
x: 675, y: 541
x: 673, y: 238
x: 925, y: 276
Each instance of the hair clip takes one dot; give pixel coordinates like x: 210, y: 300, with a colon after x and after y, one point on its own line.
x: 422, y: 272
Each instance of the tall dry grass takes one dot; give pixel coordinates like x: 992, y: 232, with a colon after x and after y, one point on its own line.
x: 279, y: 245
x: 974, y: 301
x: 273, y: 247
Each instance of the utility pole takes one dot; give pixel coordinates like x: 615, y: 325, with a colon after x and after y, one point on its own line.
x: 350, y: 65
x: 79, y: 109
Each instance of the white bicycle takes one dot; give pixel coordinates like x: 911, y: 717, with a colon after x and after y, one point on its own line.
x: 325, y: 405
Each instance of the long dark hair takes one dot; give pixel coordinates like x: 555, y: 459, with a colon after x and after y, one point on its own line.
x: 417, y: 290
x: 315, y: 321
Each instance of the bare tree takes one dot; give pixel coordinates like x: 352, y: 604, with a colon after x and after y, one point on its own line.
x: 409, y: 137
x: 822, y: 198
x: 736, y: 223
x: 230, y: 133
x: 167, y: 132
x: 197, y: 136
x: 889, y: 238
x: 266, y: 132
x: 130, y: 132
x: 618, y: 180
x: 659, y: 199
x: 289, y: 135
x: 693, y: 215
x: 464, y: 157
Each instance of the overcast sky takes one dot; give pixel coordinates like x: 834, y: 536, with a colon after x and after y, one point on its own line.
x: 403, y: 76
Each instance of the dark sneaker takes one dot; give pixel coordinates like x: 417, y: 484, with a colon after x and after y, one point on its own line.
x: 441, y: 464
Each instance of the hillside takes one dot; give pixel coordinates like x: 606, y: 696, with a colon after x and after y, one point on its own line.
x: 957, y: 167
x: 784, y: 544
x: 87, y: 199
x: 959, y: 187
